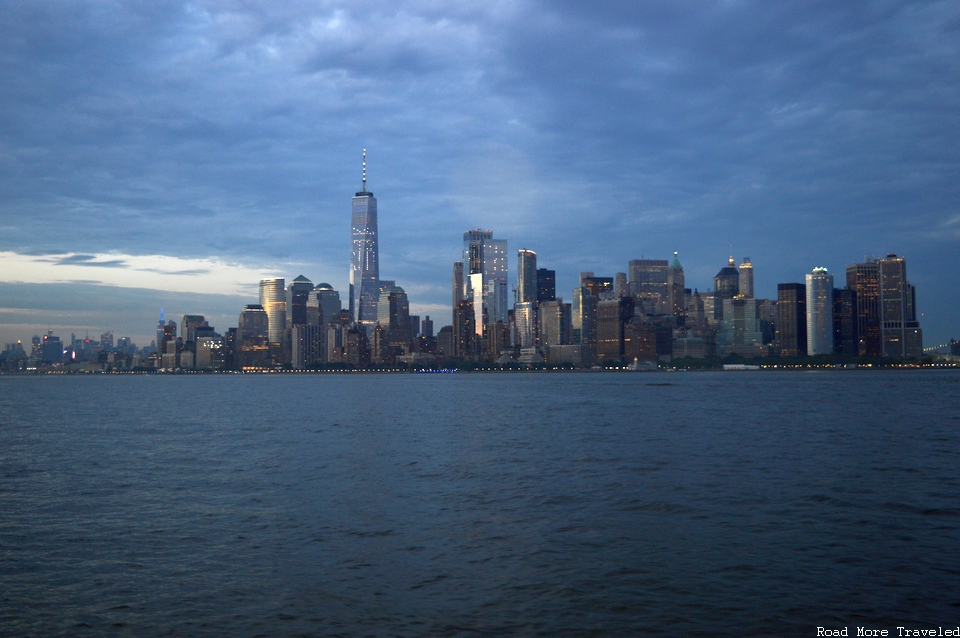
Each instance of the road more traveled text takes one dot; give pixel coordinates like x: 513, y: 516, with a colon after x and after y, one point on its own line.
x: 905, y: 632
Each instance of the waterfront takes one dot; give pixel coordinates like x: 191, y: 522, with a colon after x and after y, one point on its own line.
x: 500, y: 504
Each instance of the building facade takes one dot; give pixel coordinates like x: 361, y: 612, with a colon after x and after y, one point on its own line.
x: 819, y: 312
x: 365, y: 256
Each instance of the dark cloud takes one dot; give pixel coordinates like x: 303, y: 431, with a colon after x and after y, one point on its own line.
x: 801, y: 134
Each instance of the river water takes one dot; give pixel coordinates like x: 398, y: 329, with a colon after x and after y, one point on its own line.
x: 485, y: 504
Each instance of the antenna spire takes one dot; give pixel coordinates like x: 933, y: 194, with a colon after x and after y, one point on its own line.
x: 364, y: 189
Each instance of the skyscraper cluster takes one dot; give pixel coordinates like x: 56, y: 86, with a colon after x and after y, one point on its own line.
x: 642, y: 316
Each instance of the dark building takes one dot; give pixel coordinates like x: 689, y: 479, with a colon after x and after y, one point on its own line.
x: 298, y: 293
x: 612, y: 318
x: 846, y: 341
x: 726, y: 285
x: 864, y: 279
x: 791, y: 320
x: 546, y: 285
x: 253, y: 333
x: 465, y: 338
x: 597, y: 286
x: 900, y: 332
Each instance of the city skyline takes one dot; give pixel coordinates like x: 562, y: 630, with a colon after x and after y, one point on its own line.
x: 173, y: 156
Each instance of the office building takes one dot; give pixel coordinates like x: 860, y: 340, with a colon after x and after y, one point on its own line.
x: 253, y: 338
x: 526, y: 276
x: 485, y: 277
x: 676, y: 293
x: 649, y: 284
x: 819, y: 312
x: 745, y: 286
x: 791, y: 320
x: 864, y: 280
x: 297, y: 295
x: 845, y: 338
x: 726, y: 285
x: 323, y: 306
x: 900, y: 331
x: 546, y: 285
x: 365, y: 256
x: 273, y: 300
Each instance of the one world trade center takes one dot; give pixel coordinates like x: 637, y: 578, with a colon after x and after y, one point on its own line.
x: 365, y: 259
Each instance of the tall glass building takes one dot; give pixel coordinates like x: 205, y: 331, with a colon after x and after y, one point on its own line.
x: 819, y: 312
x: 485, y: 256
x: 273, y: 298
x: 365, y: 256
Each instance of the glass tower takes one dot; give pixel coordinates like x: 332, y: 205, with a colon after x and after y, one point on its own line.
x: 819, y: 312
x: 487, y: 257
x: 365, y: 256
x: 273, y: 298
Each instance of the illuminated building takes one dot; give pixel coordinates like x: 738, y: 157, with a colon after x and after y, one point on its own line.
x: 676, y: 293
x: 819, y: 312
x: 745, y: 286
x: 485, y: 276
x: 365, y: 256
x: 273, y: 301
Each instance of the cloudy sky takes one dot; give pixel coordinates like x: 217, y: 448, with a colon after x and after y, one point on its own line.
x: 173, y: 153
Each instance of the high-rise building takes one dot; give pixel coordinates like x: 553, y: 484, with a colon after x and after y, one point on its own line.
x: 298, y: 292
x: 845, y: 340
x: 740, y: 328
x: 525, y: 309
x: 819, y: 312
x: 546, y: 285
x: 485, y: 276
x: 726, y: 285
x: 554, y: 322
x: 189, y: 325
x: 274, y: 303
x: 365, y: 256
x: 253, y: 338
x: 525, y: 317
x: 458, y: 287
x: 393, y: 315
x: 612, y: 317
x: 649, y: 284
x: 676, y: 293
x: 746, y: 278
x: 323, y: 306
x: 526, y: 275
x: 791, y: 320
x: 864, y: 279
x: 900, y: 331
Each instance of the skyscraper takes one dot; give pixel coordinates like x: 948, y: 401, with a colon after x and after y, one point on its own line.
x: 365, y: 256
x: 546, y: 285
x: 526, y: 275
x: 273, y: 299
x: 791, y: 320
x: 649, y: 284
x: 864, y: 279
x: 746, y: 278
x: 675, y: 291
x: 485, y: 276
x: 900, y: 331
x: 297, y: 294
x: 819, y: 312
x: 726, y: 285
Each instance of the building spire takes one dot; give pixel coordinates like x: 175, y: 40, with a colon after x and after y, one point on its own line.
x: 364, y: 189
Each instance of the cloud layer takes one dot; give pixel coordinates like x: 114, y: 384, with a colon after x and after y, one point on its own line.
x: 218, y: 133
